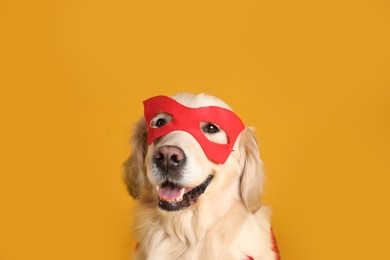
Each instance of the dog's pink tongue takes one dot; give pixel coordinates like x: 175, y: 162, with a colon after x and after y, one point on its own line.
x: 170, y: 192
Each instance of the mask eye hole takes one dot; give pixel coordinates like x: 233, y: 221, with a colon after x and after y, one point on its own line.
x: 210, y: 128
x: 160, y: 120
x: 214, y: 133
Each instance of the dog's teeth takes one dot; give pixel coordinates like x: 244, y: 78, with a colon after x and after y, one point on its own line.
x: 180, y: 198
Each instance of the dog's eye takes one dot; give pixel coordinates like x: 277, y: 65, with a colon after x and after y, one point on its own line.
x: 210, y: 128
x: 160, y: 122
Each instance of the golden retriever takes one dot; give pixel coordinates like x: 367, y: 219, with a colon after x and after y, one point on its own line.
x: 188, y: 206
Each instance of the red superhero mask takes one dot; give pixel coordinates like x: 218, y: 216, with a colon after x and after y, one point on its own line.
x: 189, y: 119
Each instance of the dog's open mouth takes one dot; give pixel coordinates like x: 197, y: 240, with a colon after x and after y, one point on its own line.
x: 173, y: 197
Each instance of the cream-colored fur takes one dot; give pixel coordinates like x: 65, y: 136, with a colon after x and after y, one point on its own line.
x: 227, y: 222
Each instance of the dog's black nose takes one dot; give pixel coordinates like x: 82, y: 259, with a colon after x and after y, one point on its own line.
x: 169, y: 158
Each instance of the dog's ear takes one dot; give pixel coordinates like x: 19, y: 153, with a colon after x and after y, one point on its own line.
x: 252, y: 175
x: 134, y: 168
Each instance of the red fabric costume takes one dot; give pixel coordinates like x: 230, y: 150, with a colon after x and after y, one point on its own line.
x: 188, y: 119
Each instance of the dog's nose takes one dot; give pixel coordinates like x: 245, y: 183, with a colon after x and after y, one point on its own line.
x: 169, y: 157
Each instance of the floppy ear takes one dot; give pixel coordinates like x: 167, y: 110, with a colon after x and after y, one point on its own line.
x: 135, y: 171
x: 252, y: 175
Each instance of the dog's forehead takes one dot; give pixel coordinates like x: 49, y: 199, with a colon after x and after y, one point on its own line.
x: 199, y: 100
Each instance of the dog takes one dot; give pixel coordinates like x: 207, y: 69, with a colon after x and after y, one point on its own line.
x: 197, y: 177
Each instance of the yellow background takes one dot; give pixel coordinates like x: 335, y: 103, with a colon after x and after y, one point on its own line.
x: 311, y: 76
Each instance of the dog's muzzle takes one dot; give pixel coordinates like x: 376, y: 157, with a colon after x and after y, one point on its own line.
x: 169, y: 162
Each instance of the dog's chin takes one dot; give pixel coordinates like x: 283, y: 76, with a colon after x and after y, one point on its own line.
x: 173, y: 197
